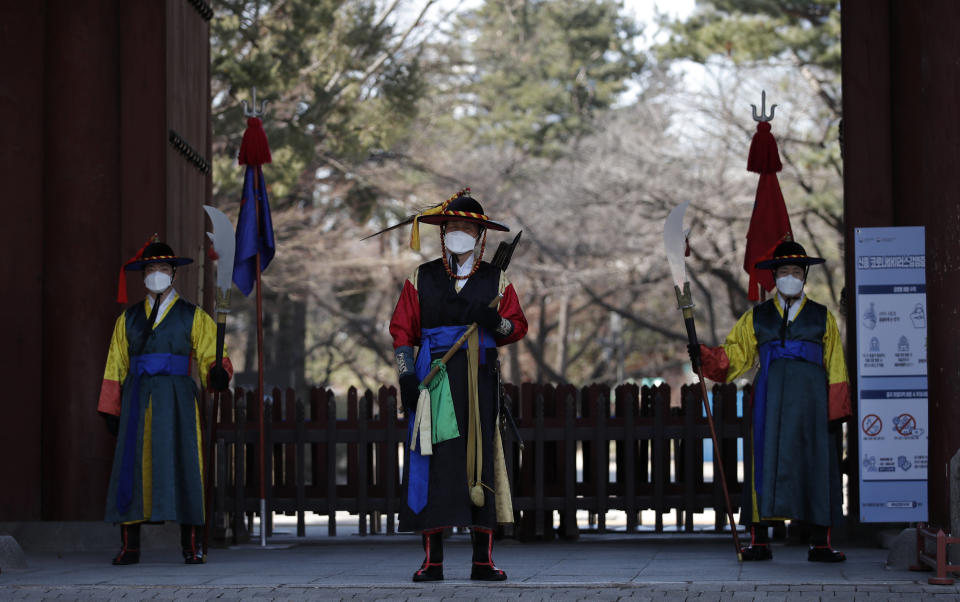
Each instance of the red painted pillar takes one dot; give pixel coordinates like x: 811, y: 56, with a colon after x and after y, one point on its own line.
x: 926, y: 187
x: 22, y: 268
x: 81, y: 222
x: 902, y: 168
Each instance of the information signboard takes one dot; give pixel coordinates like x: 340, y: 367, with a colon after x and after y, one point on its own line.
x: 892, y: 373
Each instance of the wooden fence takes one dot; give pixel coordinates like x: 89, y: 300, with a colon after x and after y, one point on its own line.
x: 636, y: 453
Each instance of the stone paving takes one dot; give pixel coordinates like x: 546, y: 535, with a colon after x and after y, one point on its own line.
x: 609, y: 567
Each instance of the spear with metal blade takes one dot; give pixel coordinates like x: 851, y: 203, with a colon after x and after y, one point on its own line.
x: 224, y: 245
x: 674, y: 243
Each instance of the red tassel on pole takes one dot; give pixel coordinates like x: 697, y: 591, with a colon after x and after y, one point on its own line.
x: 764, y: 156
x: 254, y: 149
x: 770, y: 221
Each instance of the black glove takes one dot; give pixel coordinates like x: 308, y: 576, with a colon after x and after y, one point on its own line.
x: 111, y: 422
x: 485, y: 316
x: 693, y: 350
x: 409, y: 392
x: 218, y: 379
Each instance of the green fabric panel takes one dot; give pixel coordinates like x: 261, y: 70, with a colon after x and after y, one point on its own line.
x: 442, y: 414
x: 800, y: 479
x: 796, y: 479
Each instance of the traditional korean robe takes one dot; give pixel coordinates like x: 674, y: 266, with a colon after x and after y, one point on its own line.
x: 435, y: 490
x: 158, y: 463
x: 800, y: 388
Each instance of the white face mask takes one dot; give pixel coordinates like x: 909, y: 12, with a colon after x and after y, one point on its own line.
x: 789, y: 286
x: 157, y: 282
x: 459, y: 242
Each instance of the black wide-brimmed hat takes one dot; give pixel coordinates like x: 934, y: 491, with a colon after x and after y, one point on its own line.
x: 152, y: 251
x: 461, y: 207
x: 788, y: 253
x: 156, y: 252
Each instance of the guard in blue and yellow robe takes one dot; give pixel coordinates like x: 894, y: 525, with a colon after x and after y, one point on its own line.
x: 149, y: 399
x: 452, y: 480
x: 800, y: 392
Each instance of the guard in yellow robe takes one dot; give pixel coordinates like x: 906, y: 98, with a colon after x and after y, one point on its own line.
x: 149, y: 400
x: 800, y: 397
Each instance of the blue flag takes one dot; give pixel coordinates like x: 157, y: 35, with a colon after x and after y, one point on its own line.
x: 252, y: 236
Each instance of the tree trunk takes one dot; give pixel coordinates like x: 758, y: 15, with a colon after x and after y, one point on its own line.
x: 562, y: 328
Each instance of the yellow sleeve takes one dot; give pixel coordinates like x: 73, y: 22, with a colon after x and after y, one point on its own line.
x: 741, y: 346
x: 118, y: 357
x: 118, y: 364
x: 203, y: 337
x: 833, y: 356
x: 838, y: 389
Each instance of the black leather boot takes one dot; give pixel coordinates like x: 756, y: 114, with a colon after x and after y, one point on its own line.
x: 759, y: 548
x: 820, y: 548
x: 129, y: 545
x: 191, y: 541
x: 483, y: 568
x: 432, y: 567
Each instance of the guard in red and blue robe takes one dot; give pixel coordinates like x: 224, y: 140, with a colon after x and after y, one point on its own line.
x: 437, y: 304
x: 149, y: 400
x: 801, y: 396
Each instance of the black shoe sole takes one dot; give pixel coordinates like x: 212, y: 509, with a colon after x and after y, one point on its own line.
x: 829, y: 556
x: 423, y: 578
x: 756, y: 553
x: 488, y: 576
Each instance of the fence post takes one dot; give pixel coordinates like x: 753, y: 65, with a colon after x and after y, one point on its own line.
x: 692, y: 441
x: 239, y: 462
x: 660, y: 452
x: 331, y: 464
x: 718, y: 501
x: 268, y: 460
x: 538, y: 502
x: 301, y: 470
x: 569, y: 466
x: 626, y: 394
x: 289, y: 450
x: 363, y: 510
x: 601, y: 446
x: 388, y: 411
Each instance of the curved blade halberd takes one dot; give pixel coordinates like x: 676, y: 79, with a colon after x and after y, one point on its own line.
x: 224, y: 244
x: 675, y: 243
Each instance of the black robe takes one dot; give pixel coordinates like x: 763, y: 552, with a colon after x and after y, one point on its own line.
x: 439, y: 304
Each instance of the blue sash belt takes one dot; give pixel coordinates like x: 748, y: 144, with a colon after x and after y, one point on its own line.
x: 776, y: 349
x: 151, y: 364
x: 433, y: 340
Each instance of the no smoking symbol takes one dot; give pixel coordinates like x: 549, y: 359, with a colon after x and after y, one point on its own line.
x: 905, y: 424
x: 871, y: 425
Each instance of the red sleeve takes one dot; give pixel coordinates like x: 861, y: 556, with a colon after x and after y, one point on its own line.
x: 716, y: 364
x: 405, y: 323
x: 838, y: 398
x: 511, y: 310
x: 109, y: 402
